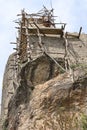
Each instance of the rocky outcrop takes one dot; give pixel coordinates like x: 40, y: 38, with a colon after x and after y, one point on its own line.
x: 33, y: 73
x: 50, y: 100
x: 41, y: 96
x: 58, y: 104
x: 8, y: 87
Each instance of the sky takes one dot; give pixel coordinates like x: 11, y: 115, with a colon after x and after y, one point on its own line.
x: 72, y: 12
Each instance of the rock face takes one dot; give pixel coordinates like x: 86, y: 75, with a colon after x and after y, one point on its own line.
x: 42, y: 97
x: 8, y: 87
x: 58, y: 104
x: 42, y: 103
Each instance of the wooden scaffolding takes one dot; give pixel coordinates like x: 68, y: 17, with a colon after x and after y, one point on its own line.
x: 39, y: 24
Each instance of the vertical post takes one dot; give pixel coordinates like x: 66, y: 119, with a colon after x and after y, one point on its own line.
x: 67, y: 60
x: 28, y: 42
x: 15, y: 65
x: 40, y: 40
x: 17, y: 56
x: 18, y: 49
x: 66, y: 57
x: 23, y: 39
x: 66, y: 53
x: 80, y: 32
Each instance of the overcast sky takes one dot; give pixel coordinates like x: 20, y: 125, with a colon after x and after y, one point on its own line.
x: 73, y: 12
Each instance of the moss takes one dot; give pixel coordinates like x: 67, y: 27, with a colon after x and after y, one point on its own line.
x: 79, y: 65
x: 5, y: 125
x: 84, y: 121
x: 73, y: 66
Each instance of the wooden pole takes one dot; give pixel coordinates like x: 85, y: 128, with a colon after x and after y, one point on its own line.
x: 80, y: 32
x: 28, y: 42
x: 55, y: 61
x: 66, y: 57
x: 39, y: 36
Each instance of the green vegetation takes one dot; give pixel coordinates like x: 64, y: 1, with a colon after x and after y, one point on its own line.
x: 79, y: 66
x: 73, y: 66
x: 5, y: 124
x: 84, y: 122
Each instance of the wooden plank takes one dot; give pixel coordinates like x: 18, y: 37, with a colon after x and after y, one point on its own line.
x: 71, y: 35
x: 52, y: 31
x: 13, y: 43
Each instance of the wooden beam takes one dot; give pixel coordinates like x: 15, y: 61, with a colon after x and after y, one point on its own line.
x: 55, y: 61
x: 17, y: 27
x: 14, y: 65
x: 44, y: 31
x: 80, y: 32
x: 71, y: 35
x: 13, y: 42
x: 15, y: 48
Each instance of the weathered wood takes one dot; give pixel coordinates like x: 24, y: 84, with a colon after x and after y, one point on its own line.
x: 30, y: 26
x: 74, y: 35
x: 66, y: 53
x: 28, y: 51
x: 80, y: 32
x: 55, y: 61
x: 17, y: 27
x: 71, y: 35
x: 53, y: 31
x: 40, y: 40
x: 15, y: 48
x: 13, y: 43
x: 14, y: 65
x: 66, y: 57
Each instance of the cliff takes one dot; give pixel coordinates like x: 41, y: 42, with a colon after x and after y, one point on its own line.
x: 38, y: 104
x: 8, y: 88
x: 43, y: 97
x: 58, y: 104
